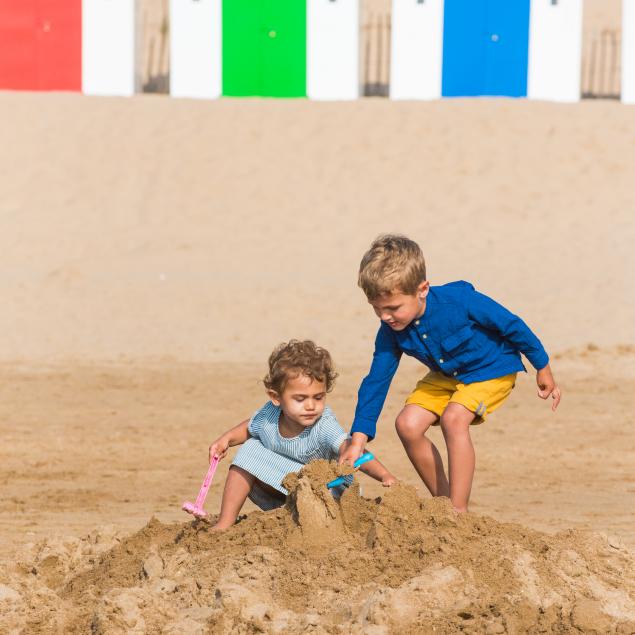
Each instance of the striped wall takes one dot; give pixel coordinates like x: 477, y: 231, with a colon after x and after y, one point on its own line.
x: 439, y: 48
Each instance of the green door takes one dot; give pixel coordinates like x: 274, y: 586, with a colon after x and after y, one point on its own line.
x: 264, y: 48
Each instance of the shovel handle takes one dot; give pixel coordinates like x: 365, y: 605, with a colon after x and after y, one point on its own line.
x: 364, y: 458
x: 200, y: 499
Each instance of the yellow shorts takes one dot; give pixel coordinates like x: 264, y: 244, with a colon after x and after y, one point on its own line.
x: 435, y: 391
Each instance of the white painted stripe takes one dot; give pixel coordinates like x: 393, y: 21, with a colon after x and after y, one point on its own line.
x: 628, y: 51
x: 108, y: 47
x: 333, y: 49
x: 555, y: 50
x: 195, y: 48
x: 416, y: 49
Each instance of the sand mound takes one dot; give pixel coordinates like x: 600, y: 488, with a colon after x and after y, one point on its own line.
x: 398, y: 564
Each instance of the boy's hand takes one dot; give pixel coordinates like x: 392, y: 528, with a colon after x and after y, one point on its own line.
x: 547, y: 386
x: 352, y: 449
x: 219, y: 448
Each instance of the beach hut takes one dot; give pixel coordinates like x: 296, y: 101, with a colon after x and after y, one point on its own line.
x: 41, y: 45
x: 109, y: 47
x: 68, y: 45
x: 264, y: 48
x: 286, y: 48
x: 628, y: 52
x: 460, y: 48
x: 333, y: 49
x: 416, y: 49
x: 555, y: 50
x: 485, y: 48
x: 195, y: 48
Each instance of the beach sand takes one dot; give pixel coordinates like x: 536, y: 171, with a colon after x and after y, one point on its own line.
x: 154, y: 251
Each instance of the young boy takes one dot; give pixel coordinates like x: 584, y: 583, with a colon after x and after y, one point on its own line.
x: 472, y: 347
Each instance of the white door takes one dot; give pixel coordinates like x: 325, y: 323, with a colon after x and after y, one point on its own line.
x: 195, y: 48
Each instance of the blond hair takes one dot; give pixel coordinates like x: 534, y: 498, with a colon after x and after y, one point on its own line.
x: 293, y: 358
x: 393, y: 263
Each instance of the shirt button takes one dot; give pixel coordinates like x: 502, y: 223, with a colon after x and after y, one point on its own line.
x: 424, y: 336
x: 454, y: 373
x: 416, y: 322
x: 441, y: 361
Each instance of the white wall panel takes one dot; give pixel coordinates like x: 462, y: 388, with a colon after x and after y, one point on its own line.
x: 416, y: 49
x: 332, y: 49
x: 555, y: 50
x: 109, y: 38
x: 628, y: 51
x: 195, y: 48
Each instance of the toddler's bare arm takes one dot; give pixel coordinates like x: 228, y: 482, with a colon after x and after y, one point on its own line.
x: 377, y: 470
x: 235, y: 436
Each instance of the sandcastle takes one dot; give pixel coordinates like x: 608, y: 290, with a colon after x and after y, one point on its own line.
x: 399, y: 564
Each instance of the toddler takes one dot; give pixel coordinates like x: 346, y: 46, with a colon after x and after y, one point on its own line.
x: 293, y: 428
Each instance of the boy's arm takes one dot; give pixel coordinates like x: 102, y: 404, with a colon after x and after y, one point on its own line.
x: 496, y: 317
x: 372, y: 394
x: 234, y: 436
x: 488, y: 313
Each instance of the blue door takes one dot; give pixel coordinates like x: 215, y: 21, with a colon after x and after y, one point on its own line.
x: 485, y: 48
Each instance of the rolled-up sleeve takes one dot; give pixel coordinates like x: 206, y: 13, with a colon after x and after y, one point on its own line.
x: 374, y: 388
x: 491, y: 315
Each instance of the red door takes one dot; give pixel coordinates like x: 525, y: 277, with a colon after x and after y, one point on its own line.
x: 41, y: 44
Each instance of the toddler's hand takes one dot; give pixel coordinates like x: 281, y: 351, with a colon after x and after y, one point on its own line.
x: 388, y: 480
x: 547, y: 386
x: 218, y: 448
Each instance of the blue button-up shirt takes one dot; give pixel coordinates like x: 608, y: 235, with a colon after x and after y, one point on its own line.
x: 462, y: 334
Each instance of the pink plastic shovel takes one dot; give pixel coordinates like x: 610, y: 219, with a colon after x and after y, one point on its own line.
x: 196, y: 509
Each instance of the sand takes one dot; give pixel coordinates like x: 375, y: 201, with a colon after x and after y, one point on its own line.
x: 155, y: 251
x: 396, y: 564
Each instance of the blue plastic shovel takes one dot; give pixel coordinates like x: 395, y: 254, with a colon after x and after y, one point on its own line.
x: 364, y: 458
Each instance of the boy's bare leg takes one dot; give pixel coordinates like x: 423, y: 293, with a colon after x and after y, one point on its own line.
x: 455, y: 423
x: 412, y: 424
x: 237, y: 487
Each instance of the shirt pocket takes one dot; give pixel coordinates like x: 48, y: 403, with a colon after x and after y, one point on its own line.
x: 459, y: 342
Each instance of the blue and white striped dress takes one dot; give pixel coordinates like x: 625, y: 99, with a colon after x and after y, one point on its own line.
x: 270, y: 457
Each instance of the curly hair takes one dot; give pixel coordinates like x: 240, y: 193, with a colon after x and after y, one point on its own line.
x: 293, y: 358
